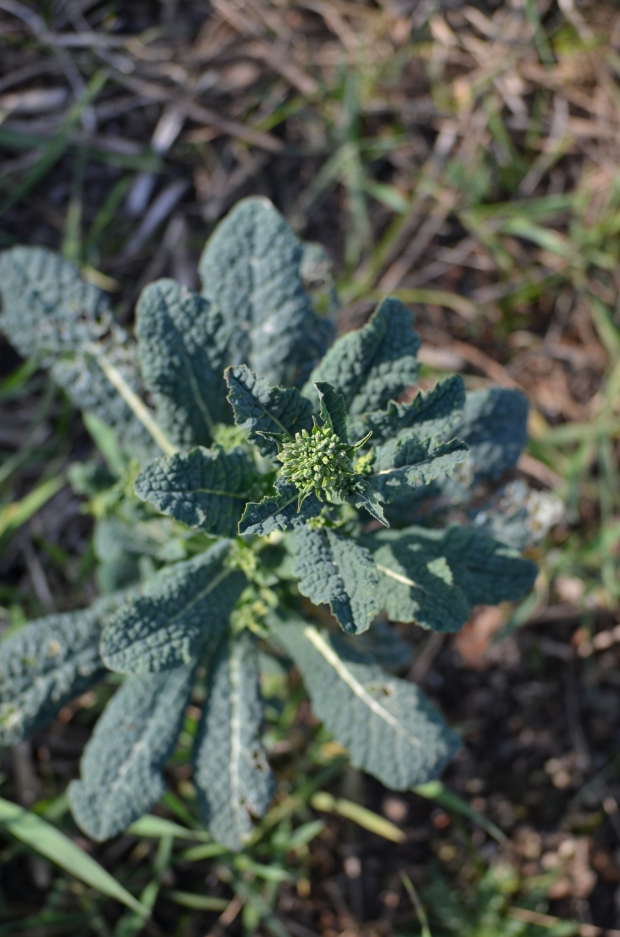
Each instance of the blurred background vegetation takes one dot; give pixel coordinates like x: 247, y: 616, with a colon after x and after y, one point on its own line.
x: 465, y: 157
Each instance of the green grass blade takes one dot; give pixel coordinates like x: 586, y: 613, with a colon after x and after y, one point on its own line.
x: 435, y: 790
x: 13, y: 515
x: 59, y: 849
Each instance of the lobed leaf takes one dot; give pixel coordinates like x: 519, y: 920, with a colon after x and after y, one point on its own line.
x: 433, y: 414
x: 388, y: 725
x: 205, y: 488
x: 250, y: 269
x: 185, y: 605
x: 121, y: 768
x: 182, y: 350
x: 373, y: 364
x: 338, y: 571
x: 231, y: 771
x: 47, y: 663
x: 279, y: 511
x: 406, y: 461
x: 434, y: 577
x: 260, y: 408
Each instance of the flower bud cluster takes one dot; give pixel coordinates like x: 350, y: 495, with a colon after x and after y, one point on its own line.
x: 318, y: 461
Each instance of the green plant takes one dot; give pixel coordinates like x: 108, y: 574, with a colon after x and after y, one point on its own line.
x: 279, y: 480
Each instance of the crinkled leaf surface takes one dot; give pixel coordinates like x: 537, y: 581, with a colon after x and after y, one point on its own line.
x: 49, y: 313
x: 47, y: 309
x: 406, y: 461
x: 250, y: 269
x: 494, y: 425
x: 182, y: 351
x: 184, y: 606
x: 336, y: 570
x: 432, y: 414
x: 206, y: 488
x: 47, y: 663
x: 279, y: 511
x: 121, y: 768
x: 388, y: 725
x: 258, y: 407
x: 231, y: 771
x: 333, y: 411
x: 373, y: 364
x: 435, y: 577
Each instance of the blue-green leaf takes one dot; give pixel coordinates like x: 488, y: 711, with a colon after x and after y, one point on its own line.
x: 362, y: 495
x: 49, y: 313
x: 388, y: 725
x: 206, y: 488
x: 435, y: 577
x: 337, y: 570
x: 47, y: 663
x: 231, y: 772
x: 333, y: 411
x: 121, y: 768
x: 250, y: 269
x: 432, y: 414
x: 47, y: 309
x: 182, y: 352
x: 184, y: 606
x: 494, y: 426
x: 260, y: 408
x: 279, y: 511
x: 372, y: 365
x: 403, y: 463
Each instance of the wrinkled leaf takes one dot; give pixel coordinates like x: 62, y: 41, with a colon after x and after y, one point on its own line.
x: 279, y: 511
x: 432, y: 414
x: 260, y: 408
x: 49, y: 313
x: 434, y: 577
x: 47, y: 663
x: 336, y: 570
x: 182, y: 354
x: 231, y: 772
x: 184, y: 606
x: 47, y: 309
x: 373, y: 364
x: 494, y: 426
x: 250, y: 269
x: 405, y: 462
x: 206, y: 488
x: 388, y: 725
x: 121, y: 768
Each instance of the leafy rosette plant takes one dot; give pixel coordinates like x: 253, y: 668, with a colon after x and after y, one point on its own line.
x: 269, y: 469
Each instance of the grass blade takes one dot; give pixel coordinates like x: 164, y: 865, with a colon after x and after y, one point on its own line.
x: 58, y: 848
